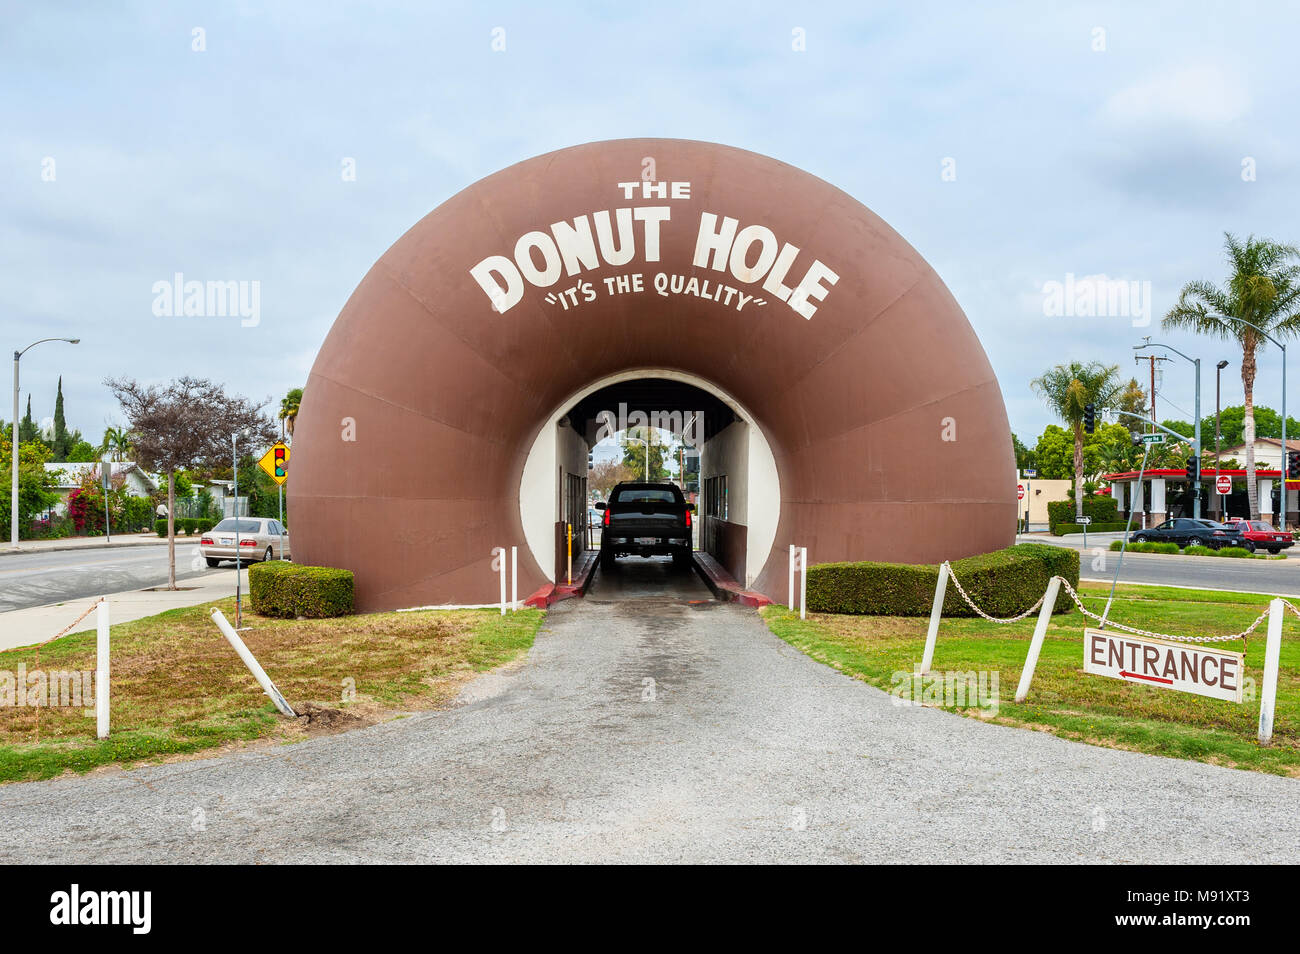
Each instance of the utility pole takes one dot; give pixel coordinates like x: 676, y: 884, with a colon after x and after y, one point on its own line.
x: 1138, y: 359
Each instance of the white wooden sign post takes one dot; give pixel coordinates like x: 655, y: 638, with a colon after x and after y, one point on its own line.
x: 101, y: 668
x: 799, y: 562
x: 251, y: 662
x: 1268, y: 694
x: 1036, y: 644
x: 936, y: 613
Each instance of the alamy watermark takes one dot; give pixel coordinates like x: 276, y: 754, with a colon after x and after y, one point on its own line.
x: 36, y: 687
x: 179, y: 298
x: 685, y: 426
x: 959, y: 690
x: 1096, y: 296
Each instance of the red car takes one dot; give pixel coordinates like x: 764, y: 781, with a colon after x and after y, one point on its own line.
x: 1262, y: 534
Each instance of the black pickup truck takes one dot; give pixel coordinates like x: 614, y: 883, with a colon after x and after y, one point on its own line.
x: 645, y: 519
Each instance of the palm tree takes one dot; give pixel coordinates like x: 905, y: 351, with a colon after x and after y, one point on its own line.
x: 1067, y: 388
x: 116, y: 443
x: 289, y: 409
x: 1264, y: 289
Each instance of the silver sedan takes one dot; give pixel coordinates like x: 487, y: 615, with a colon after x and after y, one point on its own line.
x: 258, y: 539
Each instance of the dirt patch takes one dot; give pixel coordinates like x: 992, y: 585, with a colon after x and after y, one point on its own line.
x: 323, y: 720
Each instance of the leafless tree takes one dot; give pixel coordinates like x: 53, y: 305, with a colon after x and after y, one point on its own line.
x: 186, y: 424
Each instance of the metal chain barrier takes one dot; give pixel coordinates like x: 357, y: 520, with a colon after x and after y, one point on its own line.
x: 992, y: 619
x: 1128, y: 629
x: 1177, y: 639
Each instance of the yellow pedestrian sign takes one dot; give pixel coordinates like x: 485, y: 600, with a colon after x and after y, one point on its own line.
x: 276, y: 462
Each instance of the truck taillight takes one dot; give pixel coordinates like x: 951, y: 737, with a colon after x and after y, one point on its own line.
x: 605, y: 522
x: 688, y: 520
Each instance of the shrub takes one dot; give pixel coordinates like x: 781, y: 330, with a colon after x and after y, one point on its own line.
x: 1002, y: 583
x: 1197, y: 550
x: 1101, y: 509
x: 160, y: 527
x: 1237, y: 552
x: 288, y: 590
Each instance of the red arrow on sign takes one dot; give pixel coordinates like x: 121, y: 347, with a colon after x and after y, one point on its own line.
x: 1135, y: 675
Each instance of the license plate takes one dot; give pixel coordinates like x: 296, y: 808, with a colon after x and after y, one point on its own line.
x: 227, y: 541
x: 647, y: 541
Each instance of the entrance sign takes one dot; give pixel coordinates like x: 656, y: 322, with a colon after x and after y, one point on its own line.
x: 276, y: 462
x: 1180, y: 666
x: 1223, y: 484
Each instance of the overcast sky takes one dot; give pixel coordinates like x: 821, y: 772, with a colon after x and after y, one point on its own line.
x: 225, y: 163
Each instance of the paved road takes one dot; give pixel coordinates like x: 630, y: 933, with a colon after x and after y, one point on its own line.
x: 748, y: 751
x: 1097, y: 562
x: 35, y: 579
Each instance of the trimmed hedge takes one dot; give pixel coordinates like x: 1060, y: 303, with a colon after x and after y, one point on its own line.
x: 1101, y: 509
x: 1002, y: 583
x: 289, y: 590
x: 185, y: 526
x: 1063, y: 528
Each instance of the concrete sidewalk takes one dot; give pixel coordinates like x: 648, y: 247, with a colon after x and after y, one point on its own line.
x: 88, y: 543
x: 27, y: 626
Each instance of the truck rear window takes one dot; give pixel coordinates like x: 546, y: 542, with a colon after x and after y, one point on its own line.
x: 647, y: 495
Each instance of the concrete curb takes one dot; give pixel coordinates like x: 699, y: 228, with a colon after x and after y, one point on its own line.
x: 10, y: 551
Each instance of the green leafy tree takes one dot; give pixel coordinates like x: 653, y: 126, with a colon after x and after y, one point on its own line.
x: 1263, y: 287
x: 37, y: 487
x: 1026, y: 457
x: 82, y: 452
x: 1133, y: 400
x: 184, y: 425
x: 60, y: 439
x: 116, y: 443
x: 634, y: 453
x: 1067, y: 389
x: 27, y: 430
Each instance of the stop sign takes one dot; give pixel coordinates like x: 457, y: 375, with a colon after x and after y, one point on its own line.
x: 1223, y: 484
x: 1020, y: 491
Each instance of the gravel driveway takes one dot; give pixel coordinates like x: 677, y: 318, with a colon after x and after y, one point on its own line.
x: 740, y: 750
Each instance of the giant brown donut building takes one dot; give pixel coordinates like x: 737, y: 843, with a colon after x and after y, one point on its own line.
x: 843, y: 397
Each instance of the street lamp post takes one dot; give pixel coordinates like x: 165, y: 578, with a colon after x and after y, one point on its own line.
x: 1218, y: 381
x: 1284, y: 447
x: 13, y: 485
x: 1196, y: 450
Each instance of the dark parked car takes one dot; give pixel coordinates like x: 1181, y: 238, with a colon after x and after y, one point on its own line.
x: 1262, y: 534
x: 645, y: 519
x: 1186, y: 531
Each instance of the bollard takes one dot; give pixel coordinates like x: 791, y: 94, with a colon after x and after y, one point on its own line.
x: 1268, y: 695
x: 936, y: 612
x: 254, y: 667
x: 1036, y: 644
x: 803, y: 582
x: 101, y: 668
x: 514, y: 578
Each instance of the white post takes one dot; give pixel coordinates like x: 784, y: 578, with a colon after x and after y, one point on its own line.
x: 1036, y: 644
x: 254, y: 667
x: 1268, y: 698
x: 790, y: 599
x: 514, y: 578
x: 502, y: 558
x: 101, y: 669
x: 803, y: 582
x: 936, y: 612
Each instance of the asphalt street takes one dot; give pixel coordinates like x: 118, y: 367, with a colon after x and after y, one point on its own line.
x: 651, y: 724
x: 35, y: 579
x: 1098, y: 562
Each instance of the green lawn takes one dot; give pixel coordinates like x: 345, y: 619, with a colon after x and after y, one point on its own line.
x: 1066, y: 701
x: 177, y: 687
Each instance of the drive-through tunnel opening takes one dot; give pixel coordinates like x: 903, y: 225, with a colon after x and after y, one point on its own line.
x: 668, y: 426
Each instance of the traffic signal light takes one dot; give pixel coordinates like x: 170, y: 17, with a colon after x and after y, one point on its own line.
x: 1293, y: 465
x: 1193, y: 468
x: 280, y: 462
x: 1089, y: 418
x: 591, y: 461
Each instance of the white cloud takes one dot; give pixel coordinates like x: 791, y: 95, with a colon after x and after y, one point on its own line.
x: 1198, y: 95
